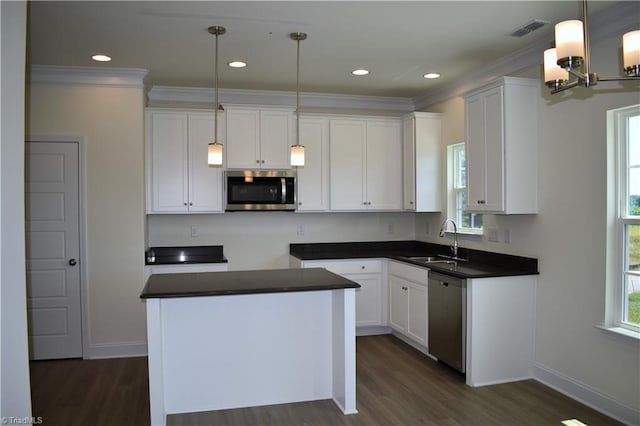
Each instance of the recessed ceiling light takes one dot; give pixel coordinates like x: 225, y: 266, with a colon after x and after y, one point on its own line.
x: 360, y: 72
x: 432, y: 75
x: 237, y: 64
x: 101, y: 58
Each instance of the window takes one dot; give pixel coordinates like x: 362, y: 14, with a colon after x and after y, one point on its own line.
x: 457, y: 195
x: 623, y: 287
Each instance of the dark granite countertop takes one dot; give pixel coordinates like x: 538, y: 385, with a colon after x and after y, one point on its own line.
x: 243, y: 282
x: 479, y: 264
x: 184, y: 255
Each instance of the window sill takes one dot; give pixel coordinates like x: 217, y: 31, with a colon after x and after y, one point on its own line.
x: 467, y: 232
x: 619, y: 331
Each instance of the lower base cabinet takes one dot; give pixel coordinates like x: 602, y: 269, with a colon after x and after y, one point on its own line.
x: 408, y: 301
x: 370, y: 297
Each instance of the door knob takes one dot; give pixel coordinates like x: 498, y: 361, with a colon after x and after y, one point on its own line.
x: 72, y: 262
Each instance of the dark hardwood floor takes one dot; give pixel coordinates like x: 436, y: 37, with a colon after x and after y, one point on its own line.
x: 396, y: 385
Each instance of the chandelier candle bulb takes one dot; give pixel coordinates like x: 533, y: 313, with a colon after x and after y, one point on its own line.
x: 570, y: 42
x: 631, y: 52
x: 552, y: 72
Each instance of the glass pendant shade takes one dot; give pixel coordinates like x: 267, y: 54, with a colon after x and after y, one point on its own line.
x: 631, y: 51
x: 214, y: 157
x: 297, y: 155
x: 570, y: 39
x: 552, y: 71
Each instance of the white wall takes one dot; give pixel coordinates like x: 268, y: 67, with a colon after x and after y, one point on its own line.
x: 259, y: 240
x: 15, y: 397
x: 568, y: 237
x: 111, y: 121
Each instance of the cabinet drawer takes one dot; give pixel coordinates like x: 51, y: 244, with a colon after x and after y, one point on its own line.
x: 356, y: 266
x: 415, y: 274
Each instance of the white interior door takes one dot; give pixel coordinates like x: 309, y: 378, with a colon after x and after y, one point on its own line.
x: 53, y: 249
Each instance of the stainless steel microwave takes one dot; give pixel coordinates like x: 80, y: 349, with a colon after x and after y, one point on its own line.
x: 260, y: 190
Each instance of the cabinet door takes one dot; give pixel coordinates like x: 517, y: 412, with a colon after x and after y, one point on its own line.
x: 368, y: 299
x: 409, y: 162
x: 243, y: 134
x: 428, y: 159
x: 475, y: 152
x: 384, y: 165
x: 205, y: 182
x: 494, y: 150
x: 347, y: 139
x: 275, y: 139
x: 167, y: 135
x: 485, y: 151
x: 313, y: 176
x: 398, y: 304
x: 417, y: 316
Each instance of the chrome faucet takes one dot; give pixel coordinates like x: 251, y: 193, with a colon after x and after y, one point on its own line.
x: 454, y: 246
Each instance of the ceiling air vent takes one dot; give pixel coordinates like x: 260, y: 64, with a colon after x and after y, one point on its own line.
x: 527, y: 28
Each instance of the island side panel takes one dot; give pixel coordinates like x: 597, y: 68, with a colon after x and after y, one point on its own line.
x: 154, y: 359
x: 344, y: 350
x: 237, y: 351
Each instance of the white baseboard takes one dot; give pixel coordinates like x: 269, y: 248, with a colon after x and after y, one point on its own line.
x: 586, y: 395
x: 372, y: 330
x: 116, y: 350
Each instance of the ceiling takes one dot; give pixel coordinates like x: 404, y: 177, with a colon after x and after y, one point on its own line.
x: 398, y: 41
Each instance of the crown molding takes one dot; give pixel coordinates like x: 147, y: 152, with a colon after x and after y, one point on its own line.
x: 167, y: 95
x: 87, y: 76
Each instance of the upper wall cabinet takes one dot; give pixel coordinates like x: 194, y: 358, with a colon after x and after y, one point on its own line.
x: 179, y: 180
x: 258, y: 138
x: 421, y: 151
x: 365, y: 164
x: 501, y: 121
x: 313, y: 177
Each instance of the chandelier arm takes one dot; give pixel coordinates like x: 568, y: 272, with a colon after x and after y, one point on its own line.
x: 565, y: 87
x: 617, y: 78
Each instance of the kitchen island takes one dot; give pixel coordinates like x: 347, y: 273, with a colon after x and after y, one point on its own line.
x: 220, y: 340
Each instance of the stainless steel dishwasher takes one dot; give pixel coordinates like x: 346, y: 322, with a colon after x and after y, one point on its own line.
x: 447, y: 319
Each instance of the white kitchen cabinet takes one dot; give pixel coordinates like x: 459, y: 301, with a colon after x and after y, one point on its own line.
x: 179, y: 180
x: 258, y: 138
x: 421, y: 151
x: 365, y: 164
x: 501, y: 122
x: 371, y: 297
x: 313, y: 177
x: 408, y: 301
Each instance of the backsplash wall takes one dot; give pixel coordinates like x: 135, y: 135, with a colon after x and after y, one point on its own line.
x: 260, y: 240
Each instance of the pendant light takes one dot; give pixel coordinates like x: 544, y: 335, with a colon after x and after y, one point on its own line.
x: 297, y: 150
x: 567, y: 65
x: 214, y: 157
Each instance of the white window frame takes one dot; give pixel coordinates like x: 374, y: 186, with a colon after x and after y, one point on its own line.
x: 618, y: 221
x: 456, y: 187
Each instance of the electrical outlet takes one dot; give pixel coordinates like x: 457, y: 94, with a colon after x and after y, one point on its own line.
x: 195, y: 232
x: 507, y: 236
x: 300, y: 229
x: 390, y: 228
x: 427, y: 228
x: 492, y: 235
